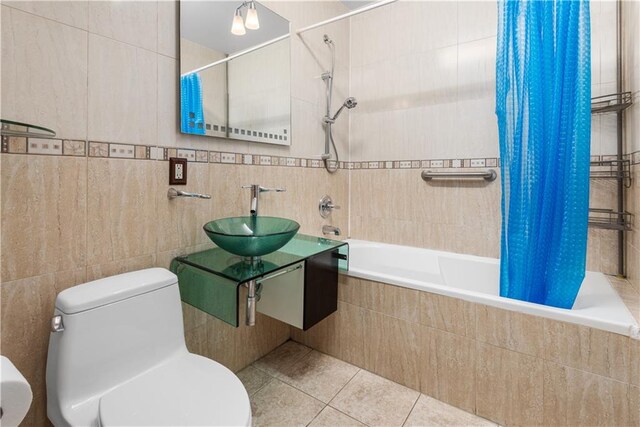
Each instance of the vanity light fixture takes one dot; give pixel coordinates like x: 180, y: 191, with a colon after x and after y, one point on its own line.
x: 237, y: 27
x: 252, y: 22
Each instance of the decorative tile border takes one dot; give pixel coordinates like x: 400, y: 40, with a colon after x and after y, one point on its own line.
x: 68, y: 147
x: 424, y: 164
x: 43, y: 146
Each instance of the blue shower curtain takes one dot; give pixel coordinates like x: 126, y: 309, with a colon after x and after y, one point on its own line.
x: 191, y: 111
x: 543, y: 95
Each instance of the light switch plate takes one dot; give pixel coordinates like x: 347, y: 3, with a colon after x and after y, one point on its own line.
x: 177, y: 171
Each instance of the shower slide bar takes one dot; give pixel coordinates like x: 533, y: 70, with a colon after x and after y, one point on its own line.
x: 488, y: 175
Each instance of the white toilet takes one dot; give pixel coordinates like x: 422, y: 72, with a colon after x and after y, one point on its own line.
x: 119, y: 358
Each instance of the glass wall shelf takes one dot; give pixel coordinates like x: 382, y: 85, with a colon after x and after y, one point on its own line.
x: 210, y: 280
x: 24, y: 130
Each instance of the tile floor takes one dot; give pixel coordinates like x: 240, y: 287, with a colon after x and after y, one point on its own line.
x: 297, y: 386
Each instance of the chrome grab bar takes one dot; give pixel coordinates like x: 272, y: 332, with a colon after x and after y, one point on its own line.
x: 173, y: 193
x: 488, y: 175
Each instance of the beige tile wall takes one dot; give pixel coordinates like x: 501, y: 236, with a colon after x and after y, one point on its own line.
x: 512, y: 368
x: 450, y: 216
x: 462, y: 217
x: 633, y: 238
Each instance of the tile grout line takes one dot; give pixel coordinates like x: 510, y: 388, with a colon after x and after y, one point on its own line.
x: 304, y: 392
x: 294, y: 362
x: 261, y: 387
x: 412, y: 408
x: 343, y: 387
x: 317, y: 415
x: 338, y: 392
x: 293, y: 387
x: 49, y: 18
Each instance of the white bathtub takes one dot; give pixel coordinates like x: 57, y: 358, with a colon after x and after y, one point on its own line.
x: 476, y: 279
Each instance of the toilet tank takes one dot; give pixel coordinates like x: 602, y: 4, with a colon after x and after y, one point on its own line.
x: 114, y: 329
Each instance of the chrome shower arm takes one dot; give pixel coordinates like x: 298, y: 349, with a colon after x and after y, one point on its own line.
x: 335, y: 116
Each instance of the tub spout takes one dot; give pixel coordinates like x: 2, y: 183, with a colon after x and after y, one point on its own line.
x: 330, y: 229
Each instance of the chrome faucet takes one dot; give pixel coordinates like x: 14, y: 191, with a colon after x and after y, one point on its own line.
x: 256, y: 189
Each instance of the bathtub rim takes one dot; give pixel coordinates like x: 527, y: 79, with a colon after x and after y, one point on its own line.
x: 623, y: 324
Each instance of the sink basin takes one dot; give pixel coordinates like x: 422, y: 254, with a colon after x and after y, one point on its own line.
x: 251, y: 236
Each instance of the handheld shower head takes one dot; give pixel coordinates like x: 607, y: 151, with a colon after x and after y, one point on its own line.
x: 349, y: 103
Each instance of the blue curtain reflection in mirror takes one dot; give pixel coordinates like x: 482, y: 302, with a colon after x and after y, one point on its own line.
x: 192, y: 114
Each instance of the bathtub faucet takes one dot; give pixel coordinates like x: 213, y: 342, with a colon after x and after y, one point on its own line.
x: 330, y: 229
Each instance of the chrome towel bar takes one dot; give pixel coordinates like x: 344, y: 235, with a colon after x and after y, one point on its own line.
x: 173, y: 193
x: 488, y: 175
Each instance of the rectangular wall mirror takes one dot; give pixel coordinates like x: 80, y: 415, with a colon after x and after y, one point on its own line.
x: 235, y: 79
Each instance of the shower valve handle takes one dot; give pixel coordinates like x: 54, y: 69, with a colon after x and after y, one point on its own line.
x: 326, y: 206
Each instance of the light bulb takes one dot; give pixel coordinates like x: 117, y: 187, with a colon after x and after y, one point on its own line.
x: 252, y: 22
x: 237, y: 27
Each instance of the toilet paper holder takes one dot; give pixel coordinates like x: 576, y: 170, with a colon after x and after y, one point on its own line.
x: 16, y: 394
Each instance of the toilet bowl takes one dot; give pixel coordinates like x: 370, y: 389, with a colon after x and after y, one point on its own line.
x: 117, y: 357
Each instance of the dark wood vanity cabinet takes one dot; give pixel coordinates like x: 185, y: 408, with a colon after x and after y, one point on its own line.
x: 320, y: 287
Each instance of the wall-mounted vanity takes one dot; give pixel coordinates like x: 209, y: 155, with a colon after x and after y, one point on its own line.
x: 297, y: 284
x: 235, y: 86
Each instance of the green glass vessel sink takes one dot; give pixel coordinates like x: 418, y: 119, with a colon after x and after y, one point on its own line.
x: 250, y: 236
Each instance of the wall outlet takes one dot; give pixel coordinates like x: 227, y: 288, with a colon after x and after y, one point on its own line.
x: 177, y: 171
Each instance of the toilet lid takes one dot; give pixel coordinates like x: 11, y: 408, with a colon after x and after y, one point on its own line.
x: 190, y: 390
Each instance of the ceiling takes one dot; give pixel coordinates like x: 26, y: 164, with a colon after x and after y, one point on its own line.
x: 208, y: 23
x: 356, y: 4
